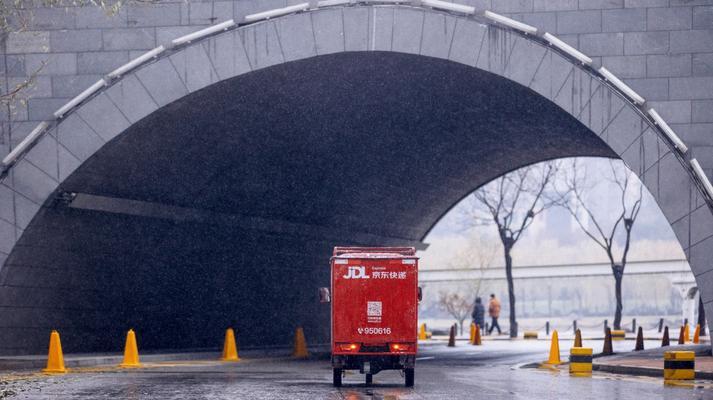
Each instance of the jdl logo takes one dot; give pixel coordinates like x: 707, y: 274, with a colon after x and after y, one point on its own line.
x: 356, y: 273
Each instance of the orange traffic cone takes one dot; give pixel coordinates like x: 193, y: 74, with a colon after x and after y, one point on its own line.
x: 131, y: 352
x: 554, y: 350
x: 477, y: 339
x: 422, y: 332
x: 300, y: 349
x: 697, y: 334
x: 686, y: 335
x: 55, y: 358
x: 682, y: 335
x: 472, y: 334
x: 230, y: 349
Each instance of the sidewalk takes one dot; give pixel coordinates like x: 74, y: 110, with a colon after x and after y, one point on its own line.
x: 650, y: 362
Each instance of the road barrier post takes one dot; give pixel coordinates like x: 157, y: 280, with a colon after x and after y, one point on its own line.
x: 660, y: 324
x: 580, y: 361
x: 230, y: 348
x: 633, y: 325
x: 131, y: 352
x: 452, y: 337
x: 639, y: 340
x: 607, y: 349
x: 55, y: 358
x: 547, y: 328
x: 574, y: 325
x: 679, y: 366
x: 681, y: 336
x: 578, y: 338
x: 606, y: 326
x: 665, y: 340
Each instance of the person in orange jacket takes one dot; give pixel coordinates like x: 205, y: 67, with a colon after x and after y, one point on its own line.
x: 494, y: 312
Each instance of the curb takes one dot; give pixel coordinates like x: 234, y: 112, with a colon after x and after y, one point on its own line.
x: 642, y: 371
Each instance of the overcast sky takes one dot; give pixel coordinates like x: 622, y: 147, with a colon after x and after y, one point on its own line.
x: 554, y: 237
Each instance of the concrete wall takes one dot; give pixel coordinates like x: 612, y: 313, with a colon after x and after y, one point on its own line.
x: 662, y: 48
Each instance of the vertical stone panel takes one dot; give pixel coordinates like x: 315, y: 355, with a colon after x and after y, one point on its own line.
x: 104, y: 117
x: 262, y: 45
x: 328, y: 28
x: 382, y: 28
x: 228, y: 55
x: 524, y: 61
x: 132, y: 98
x: 194, y: 68
x: 162, y: 82
x: 408, y: 30
x: 356, y: 28
x: 467, y: 42
x: 297, y: 37
x: 437, y: 35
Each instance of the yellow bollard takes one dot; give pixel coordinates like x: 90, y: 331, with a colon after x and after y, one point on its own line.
x: 230, y: 349
x: 618, y: 334
x: 472, y: 334
x: 300, y: 349
x: 554, y: 350
x: 422, y: 332
x: 529, y: 335
x: 686, y: 334
x: 697, y: 334
x: 131, y: 352
x: 679, y: 365
x: 580, y: 361
x: 55, y: 358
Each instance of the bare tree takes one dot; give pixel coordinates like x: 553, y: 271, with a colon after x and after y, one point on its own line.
x: 511, y: 203
x: 476, y: 258
x: 610, y: 231
x: 458, y: 305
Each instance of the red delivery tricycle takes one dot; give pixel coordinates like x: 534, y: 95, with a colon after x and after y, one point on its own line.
x: 374, y: 298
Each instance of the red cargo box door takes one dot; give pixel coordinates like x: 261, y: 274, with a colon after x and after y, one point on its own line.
x: 374, y: 300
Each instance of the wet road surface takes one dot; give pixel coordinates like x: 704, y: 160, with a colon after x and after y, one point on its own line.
x: 491, y: 371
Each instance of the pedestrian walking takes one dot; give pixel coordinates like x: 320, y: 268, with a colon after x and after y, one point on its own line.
x: 478, y: 313
x: 494, y: 312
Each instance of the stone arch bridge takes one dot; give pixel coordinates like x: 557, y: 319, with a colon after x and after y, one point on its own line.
x: 201, y: 179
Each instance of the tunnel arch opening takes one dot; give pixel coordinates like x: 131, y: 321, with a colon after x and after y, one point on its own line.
x: 115, y: 153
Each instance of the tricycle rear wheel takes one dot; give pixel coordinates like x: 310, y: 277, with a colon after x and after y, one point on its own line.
x: 410, y: 376
x: 337, y: 377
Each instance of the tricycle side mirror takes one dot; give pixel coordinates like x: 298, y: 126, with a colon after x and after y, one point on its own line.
x: 324, y: 296
x: 420, y: 294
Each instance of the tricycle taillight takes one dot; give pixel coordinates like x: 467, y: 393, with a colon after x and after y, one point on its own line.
x: 350, y: 347
x: 400, y: 347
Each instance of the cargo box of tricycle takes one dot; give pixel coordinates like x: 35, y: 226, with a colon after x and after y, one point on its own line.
x: 374, y: 298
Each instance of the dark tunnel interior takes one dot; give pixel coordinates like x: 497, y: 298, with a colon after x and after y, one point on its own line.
x: 222, y: 208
